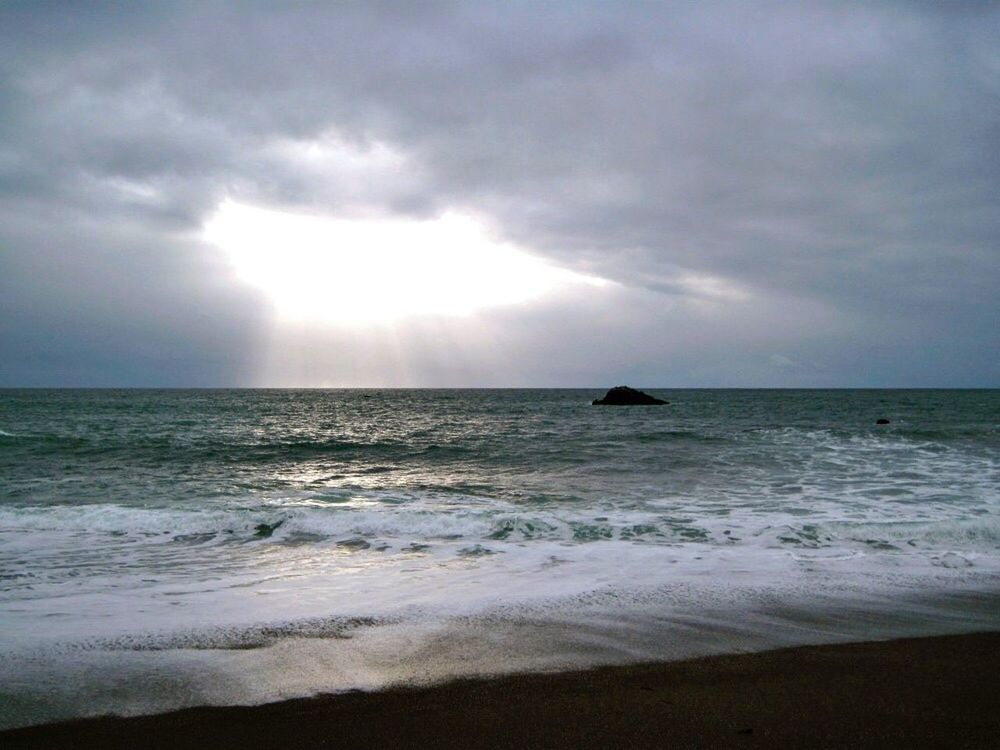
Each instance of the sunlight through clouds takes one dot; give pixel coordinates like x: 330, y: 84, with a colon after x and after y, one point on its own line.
x: 350, y: 271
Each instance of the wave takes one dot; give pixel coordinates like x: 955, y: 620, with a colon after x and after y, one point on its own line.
x: 362, y: 522
x: 224, y: 452
x: 971, y: 533
x: 676, y: 435
x: 292, y: 524
x: 951, y: 432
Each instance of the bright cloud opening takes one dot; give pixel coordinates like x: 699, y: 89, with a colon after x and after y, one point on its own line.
x: 325, y: 270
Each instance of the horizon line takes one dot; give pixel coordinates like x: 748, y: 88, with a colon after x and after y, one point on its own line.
x: 493, y: 388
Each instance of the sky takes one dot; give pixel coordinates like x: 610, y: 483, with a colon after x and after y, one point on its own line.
x: 439, y: 194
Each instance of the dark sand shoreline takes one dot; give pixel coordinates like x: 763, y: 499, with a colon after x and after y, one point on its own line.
x: 921, y: 692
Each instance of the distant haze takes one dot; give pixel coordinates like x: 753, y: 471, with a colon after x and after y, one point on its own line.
x: 492, y: 194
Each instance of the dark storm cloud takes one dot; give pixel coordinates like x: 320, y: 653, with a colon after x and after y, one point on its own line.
x: 839, y: 161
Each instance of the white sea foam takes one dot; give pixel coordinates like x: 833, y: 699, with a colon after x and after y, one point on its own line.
x: 73, y: 573
x: 419, y: 617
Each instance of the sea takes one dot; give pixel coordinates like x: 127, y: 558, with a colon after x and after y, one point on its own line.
x: 169, y: 548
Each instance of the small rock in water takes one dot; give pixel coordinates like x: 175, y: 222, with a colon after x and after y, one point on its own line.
x: 622, y: 395
x: 883, y: 420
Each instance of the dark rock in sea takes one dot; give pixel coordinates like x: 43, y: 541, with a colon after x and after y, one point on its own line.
x: 622, y: 395
x: 882, y: 421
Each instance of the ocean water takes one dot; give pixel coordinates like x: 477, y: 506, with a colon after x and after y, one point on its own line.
x: 163, y: 548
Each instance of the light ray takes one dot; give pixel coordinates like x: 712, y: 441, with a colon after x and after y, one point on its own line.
x: 363, y: 271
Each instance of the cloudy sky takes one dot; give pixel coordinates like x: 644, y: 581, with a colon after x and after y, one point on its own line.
x: 461, y: 194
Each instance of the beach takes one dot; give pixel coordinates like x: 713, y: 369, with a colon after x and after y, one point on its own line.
x: 926, y: 692
x: 170, y: 550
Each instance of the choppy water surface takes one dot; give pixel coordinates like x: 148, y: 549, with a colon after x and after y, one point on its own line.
x: 163, y: 548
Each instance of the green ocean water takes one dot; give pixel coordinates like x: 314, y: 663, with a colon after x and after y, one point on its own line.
x: 172, y: 522
x: 176, y: 447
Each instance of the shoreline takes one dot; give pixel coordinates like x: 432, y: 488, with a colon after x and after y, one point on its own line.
x: 940, y: 691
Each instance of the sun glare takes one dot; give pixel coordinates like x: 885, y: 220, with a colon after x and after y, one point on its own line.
x: 317, y: 269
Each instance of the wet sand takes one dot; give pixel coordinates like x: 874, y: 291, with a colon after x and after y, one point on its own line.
x: 925, y: 692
